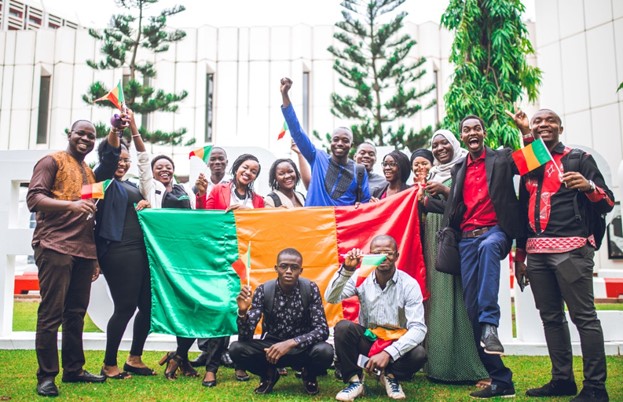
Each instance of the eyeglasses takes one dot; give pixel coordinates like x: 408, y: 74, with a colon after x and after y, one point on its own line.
x: 292, y: 267
x: 389, y: 164
x: 388, y: 253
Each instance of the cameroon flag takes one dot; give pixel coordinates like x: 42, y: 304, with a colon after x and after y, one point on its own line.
x: 194, y: 285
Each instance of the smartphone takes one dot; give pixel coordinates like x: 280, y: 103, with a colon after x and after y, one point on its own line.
x: 362, y: 360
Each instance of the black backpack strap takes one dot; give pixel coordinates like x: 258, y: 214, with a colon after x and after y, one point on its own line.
x: 276, y: 199
x: 360, y: 171
x: 306, y: 292
x: 269, y: 298
x: 572, y: 164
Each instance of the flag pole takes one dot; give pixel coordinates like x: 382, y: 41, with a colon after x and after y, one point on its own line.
x: 553, y: 161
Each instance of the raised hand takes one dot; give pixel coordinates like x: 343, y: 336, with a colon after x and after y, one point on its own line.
x: 521, y: 120
x: 202, y: 184
x: 244, y: 299
x: 286, y: 84
x: 353, y: 259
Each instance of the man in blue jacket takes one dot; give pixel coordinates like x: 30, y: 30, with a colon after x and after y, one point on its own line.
x: 336, y: 180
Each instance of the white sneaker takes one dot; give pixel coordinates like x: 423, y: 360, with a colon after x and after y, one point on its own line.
x: 352, y: 391
x: 392, y: 387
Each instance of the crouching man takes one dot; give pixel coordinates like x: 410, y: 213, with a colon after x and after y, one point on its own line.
x: 391, y: 322
x: 294, y: 328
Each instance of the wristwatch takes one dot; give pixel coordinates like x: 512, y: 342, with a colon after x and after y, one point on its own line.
x: 592, y: 184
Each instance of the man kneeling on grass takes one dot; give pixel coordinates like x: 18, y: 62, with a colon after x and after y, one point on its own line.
x: 391, y: 317
x: 294, y: 329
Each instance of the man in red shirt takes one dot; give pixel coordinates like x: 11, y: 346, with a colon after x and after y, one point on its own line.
x: 483, y: 208
x: 560, y: 249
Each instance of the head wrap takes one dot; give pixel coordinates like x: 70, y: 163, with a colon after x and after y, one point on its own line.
x: 422, y: 152
x: 441, y: 172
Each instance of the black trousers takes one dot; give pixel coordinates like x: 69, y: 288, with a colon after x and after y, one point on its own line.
x: 65, y: 287
x: 250, y: 355
x: 126, y: 270
x: 350, y: 343
x: 568, y: 278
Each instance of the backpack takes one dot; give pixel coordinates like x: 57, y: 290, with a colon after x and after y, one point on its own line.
x: 269, y: 298
x: 276, y: 199
x: 596, y: 220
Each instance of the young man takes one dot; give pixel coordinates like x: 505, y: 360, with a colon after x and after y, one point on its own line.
x: 336, y: 180
x: 560, y: 249
x: 294, y: 330
x: 366, y: 156
x: 217, y: 164
x: 484, y: 209
x: 391, y: 310
x: 65, y: 251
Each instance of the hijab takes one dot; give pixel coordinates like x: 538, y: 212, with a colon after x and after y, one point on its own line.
x: 441, y: 172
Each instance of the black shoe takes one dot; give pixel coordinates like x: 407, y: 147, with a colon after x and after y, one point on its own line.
x: 492, y: 391
x: 309, y: 382
x: 200, y: 361
x: 226, y: 360
x: 592, y: 395
x: 554, y: 388
x: 267, y: 384
x: 46, y: 387
x: 489, y: 340
x: 338, y: 373
x: 83, y: 376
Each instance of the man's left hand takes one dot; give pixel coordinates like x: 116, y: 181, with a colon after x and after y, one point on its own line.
x: 379, y: 361
x: 575, y: 180
x: 96, y: 273
x: 278, y: 350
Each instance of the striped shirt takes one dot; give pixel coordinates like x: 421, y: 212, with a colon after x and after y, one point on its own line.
x: 399, y: 305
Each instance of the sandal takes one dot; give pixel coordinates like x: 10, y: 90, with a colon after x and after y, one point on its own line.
x: 173, y: 362
x: 242, y: 375
x: 139, y: 370
x: 121, y: 376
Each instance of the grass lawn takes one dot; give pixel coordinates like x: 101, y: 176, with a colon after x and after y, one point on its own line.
x: 25, y: 317
x: 17, y: 383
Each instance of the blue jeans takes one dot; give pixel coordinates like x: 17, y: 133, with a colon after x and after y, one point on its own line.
x: 480, y: 272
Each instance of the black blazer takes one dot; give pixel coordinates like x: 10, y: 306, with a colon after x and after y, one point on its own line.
x: 500, y: 170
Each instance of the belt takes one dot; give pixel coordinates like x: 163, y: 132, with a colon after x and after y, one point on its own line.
x: 475, y: 233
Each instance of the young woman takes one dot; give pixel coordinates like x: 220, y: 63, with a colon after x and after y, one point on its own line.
x: 421, y: 163
x: 397, y: 170
x: 237, y: 194
x: 283, y: 177
x: 123, y: 261
x: 452, y: 356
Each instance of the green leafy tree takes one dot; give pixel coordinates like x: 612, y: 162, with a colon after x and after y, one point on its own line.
x: 121, y: 42
x: 491, y: 73
x: 371, y: 58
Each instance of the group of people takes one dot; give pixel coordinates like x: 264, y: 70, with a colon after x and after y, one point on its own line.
x: 397, y: 333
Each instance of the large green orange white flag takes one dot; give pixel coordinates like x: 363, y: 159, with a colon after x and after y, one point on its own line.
x: 193, y: 255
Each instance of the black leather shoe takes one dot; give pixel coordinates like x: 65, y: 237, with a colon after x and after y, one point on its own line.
x: 592, y: 395
x: 267, y: 384
x: 492, y: 391
x: 226, y: 360
x: 309, y: 382
x: 489, y: 340
x: 46, y: 387
x: 554, y: 388
x: 83, y: 376
x: 200, y: 361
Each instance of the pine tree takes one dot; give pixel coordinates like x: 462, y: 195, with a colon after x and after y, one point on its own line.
x: 491, y: 73
x: 122, y: 40
x: 371, y: 59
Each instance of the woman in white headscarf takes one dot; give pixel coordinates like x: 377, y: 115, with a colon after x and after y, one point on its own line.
x: 452, y: 355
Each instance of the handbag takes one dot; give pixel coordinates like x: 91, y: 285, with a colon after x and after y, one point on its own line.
x: 448, y: 260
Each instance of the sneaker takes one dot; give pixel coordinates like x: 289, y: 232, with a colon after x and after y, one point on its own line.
x: 392, y: 387
x: 352, y: 391
x: 554, y: 388
x: 592, y: 395
x: 492, y: 391
x: 489, y: 340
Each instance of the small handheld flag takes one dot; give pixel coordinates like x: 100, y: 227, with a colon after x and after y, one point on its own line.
x: 282, y: 133
x: 95, y: 190
x: 115, y: 96
x: 368, y: 264
x: 531, y: 156
x: 201, y: 153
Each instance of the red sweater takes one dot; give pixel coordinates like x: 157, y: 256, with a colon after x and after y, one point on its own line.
x: 220, y: 197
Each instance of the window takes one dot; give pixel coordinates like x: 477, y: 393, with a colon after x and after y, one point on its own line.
x: 306, y: 97
x: 209, y: 107
x: 44, y: 109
